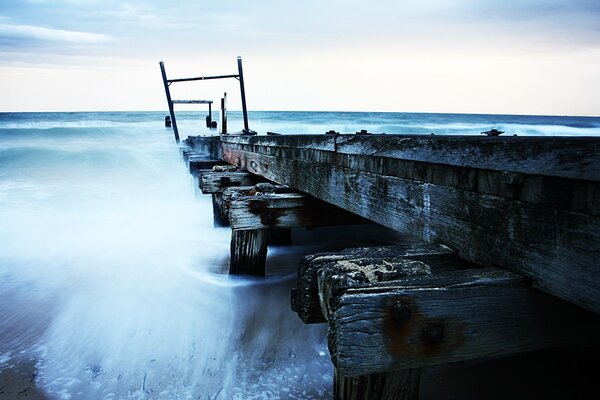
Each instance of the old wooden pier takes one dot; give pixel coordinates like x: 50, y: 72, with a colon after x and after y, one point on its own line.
x: 508, y: 259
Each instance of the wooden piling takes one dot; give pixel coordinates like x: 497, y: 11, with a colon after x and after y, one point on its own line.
x: 248, y: 251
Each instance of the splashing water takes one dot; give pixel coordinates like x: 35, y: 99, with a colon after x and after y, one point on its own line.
x: 114, y: 284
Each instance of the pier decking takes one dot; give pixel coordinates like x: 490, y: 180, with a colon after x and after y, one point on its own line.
x: 509, y: 258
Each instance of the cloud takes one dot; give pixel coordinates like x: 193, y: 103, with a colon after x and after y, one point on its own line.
x: 49, y: 34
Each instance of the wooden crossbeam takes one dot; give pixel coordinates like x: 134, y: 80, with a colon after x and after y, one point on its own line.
x: 217, y: 182
x: 286, y: 210
x: 305, y: 298
x: 202, y: 162
x: 454, y: 316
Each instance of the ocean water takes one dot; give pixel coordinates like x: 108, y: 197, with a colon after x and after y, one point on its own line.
x: 113, y: 280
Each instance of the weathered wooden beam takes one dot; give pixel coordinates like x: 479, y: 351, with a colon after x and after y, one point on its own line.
x: 201, y: 162
x: 565, y: 157
x: 209, y: 146
x: 454, y: 316
x: 554, y: 247
x: 285, y: 210
x: 248, y: 252
x: 217, y: 182
x: 305, y: 298
x: 235, y: 192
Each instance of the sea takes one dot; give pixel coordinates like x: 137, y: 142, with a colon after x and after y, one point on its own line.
x: 113, y: 280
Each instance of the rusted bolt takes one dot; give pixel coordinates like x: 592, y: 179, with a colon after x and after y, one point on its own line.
x: 433, y: 333
x: 401, y: 312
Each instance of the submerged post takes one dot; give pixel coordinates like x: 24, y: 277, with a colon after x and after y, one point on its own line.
x: 169, y: 101
x: 243, y: 94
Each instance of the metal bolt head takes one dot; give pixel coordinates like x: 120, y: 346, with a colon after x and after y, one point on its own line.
x: 433, y: 333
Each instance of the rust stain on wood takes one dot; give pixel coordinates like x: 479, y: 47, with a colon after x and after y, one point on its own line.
x: 419, y: 335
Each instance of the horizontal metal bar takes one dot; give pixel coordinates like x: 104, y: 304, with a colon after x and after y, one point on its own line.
x: 192, y: 101
x: 202, y: 78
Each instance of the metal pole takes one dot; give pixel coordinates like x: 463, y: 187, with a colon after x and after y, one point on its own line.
x: 224, y: 114
x: 243, y: 92
x: 169, y: 101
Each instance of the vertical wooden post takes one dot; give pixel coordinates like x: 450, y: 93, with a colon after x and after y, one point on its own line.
x: 248, y: 252
x: 220, y: 217
x: 169, y: 101
x: 392, y: 385
x: 243, y: 93
x: 224, y: 114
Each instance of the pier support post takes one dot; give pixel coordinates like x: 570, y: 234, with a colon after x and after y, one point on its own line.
x: 220, y: 217
x: 392, y: 385
x: 248, y: 251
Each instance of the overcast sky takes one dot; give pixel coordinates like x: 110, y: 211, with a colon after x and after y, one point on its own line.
x: 495, y: 56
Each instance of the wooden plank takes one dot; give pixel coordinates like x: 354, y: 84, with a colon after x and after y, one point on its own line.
x: 286, y: 210
x: 209, y: 146
x: 305, y: 299
x: 217, y: 182
x: 556, y: 192
x: 336, y: 277
x: 201, y: 162
x: 450, y: 317
x: 566, y: 157
x: 558, y: 249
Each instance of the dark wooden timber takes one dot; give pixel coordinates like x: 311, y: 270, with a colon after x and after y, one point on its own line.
x: 248, y: 251
x: 207, y: 146
x: 217, y: 182
x: 528, y: 204
x: 286, y: 210
x: 454, y: 316
x: 305, y: 298
x: 201, y: 162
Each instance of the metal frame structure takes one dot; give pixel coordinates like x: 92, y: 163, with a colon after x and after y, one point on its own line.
x: 167, y: 83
